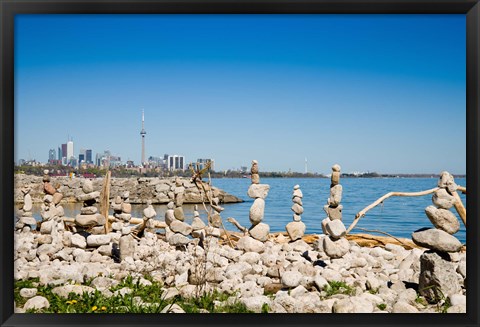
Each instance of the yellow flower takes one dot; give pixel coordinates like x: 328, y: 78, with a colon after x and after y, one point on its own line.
x: 69, y: 302
x: 104, y: 308
x: 94, y: 308
x: 74, y: 301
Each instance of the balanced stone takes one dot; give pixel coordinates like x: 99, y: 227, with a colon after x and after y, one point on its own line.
x: 178, y: 213
x: 125, y: 217
x: 149, y: 212
x: 126, y: 207
x: 260, y: 232
x: 128, y: 246
x: 48, y: 198
x: 178, y: 239
x: 257, y: 211
x: 258, y: 191
x: 335, y: 179
x: 87, y: 186
x: 443, y: 219
x: 335, y: 248
x: 446, y: 181
x: 169, y: 216
x: 297, y: 217
x: 324, y: 225
x: 295, y: 230
x: 297, y: 200
x: 437, y: 239
x: 197, y: 224
x: 297, y: 193
x: 254, y: 169
x: 333, y: 213
x: 27, y: 203
x: 180, y: 227
x: 97, y: 240
x: 89, y: 210
x: 442, y: 199
x: 57, y: 197
x: 179, y: 199
x: 216, y: 220
x: 335, y: 195
x: 297, y: 209
x: 336, y: 229
x: 48, y: 188
x: 336, y: 168
x: 255, y: 178
x: 28, y: 220
x: 89, y: 196
x: 170, y: 205
x: 86, y: 220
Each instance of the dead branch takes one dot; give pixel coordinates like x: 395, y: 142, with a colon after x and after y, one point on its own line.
x: 233, y: 221
x: 384, y: 233
x: 381, y: 199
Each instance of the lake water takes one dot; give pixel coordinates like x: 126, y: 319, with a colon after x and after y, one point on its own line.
x: 399, y: 216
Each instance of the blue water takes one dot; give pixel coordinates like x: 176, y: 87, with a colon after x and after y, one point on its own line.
x: 399, y: 216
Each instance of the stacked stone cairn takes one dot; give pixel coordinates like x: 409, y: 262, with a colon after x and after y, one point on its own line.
x: 177, y: 230
x: 440, y: 272
x: 296, y: 228
x: 89, y: 219
x: 25, y: 216
x: 198, y: 226
x: 258, y: 192
x: 335, y: 244
x: 149, y: 214
x: 122, y: 211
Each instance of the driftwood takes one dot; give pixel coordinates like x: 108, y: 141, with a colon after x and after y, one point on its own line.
x: 234, y: 222
x: 105, y: 200
x: 380, y: 200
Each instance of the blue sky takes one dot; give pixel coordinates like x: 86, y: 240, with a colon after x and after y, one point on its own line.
x: 381, y: 93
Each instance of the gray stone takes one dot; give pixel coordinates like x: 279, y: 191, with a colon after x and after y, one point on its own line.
x: 178, y: 213
x: 27, y: 203
x: 37, y: 303
x: 298, y: 209
x: 179, y: 199
x: 149, y: 212
x: 47, y: 227
x: 169, y: 216
x: 127, y: 207
x: 124, y: 216
x: 437, y: 277
x: 295, y: 230
x: 442, y: 199
x: 28, y: 292
x: 178, y: 239
x: 91, y: 210
x: 90, y: 196
x: 258, y: 191
x: 260, y: 232
x: 335, y: 196
x: 216, y: 220
x: 28, y: 220
x: 180, y: 227
x: 198, y: 223
x: 97, y: 240
x: 333, y: 213
x: 447, y: 181
x: 436, y: 239
x: 335, y: 248
x: 336, y: 229
x: 257, y: 211
x: 443, y: 219
x: 249, y: 244
x: 87, y: 186
x: 291, y: 278
x: 297, y: 217
x: 128, y: 246
x: 86, y: 220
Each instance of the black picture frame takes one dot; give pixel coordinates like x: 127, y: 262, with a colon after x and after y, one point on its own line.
x: 10, y: 8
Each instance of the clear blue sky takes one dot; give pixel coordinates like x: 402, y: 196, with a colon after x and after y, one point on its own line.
x: 381, y: 93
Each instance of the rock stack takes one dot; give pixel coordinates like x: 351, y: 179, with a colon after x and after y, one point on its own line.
x: 177, y: 230
x: 89, y: 218
x: 438, y: 270
x: 296, y: 228
x: 25, y: 215
x: 198, y: 226
x: 258, y: 192
x: 335, y: 244
x: 122, y: 211
x: 149, y: 214
x: 51, y: 211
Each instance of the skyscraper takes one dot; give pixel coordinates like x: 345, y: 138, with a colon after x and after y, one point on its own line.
x: 64, y: 150
x: 51, y: 156
x: 69, y: 150
x: 88, y: 156
x: 142, y: 133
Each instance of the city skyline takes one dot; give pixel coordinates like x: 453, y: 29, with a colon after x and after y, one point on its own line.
x: 371, y: 93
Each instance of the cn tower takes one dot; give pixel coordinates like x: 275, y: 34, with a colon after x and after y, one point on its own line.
x: 143, y: 132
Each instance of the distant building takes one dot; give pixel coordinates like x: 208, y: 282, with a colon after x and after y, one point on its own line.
x: 21, y: 162
x: 64, y: 154
x: 70, y: 150
x: 51, y: 156
x: 88, y: 156
x: 175, y: 162
x: 201, y: 163
x: 59, y: 154
x: 155, y: 162
x: 81, y: 158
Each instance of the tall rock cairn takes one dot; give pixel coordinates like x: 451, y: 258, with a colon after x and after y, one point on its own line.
x: 296, y: 228
x: 335, y: 244
x: 122, y: 211
x: 258, y: 192
x: 149, y: 214
x: 439, y: 274
x: 25, y: 216
x: 177, y: 230
x: 89, y: 218
x: 51, y: 211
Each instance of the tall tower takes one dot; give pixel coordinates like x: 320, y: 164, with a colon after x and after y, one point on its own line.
x: 143, y: 132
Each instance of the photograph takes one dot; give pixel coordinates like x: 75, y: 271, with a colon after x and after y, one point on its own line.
x: 240, y: 163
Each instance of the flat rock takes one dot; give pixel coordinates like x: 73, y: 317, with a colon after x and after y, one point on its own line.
x: 63, y: 291
x: 437, y: 239
x: 178, y: 239
x: 97, y: 240
x: 178, y: 213
x: 86, y: 220
x: 443, y: 219
x: 295, y: 230
x: 89, y: 196
x: 198, y: 223
x: 178, y: 226
x: 90, y: 210
x: 258, y: 191
x: 297, y: 209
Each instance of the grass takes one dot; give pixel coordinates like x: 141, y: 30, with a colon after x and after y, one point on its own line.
x: 142, y: 299
x: 335, y: 287
x: 382, y: 306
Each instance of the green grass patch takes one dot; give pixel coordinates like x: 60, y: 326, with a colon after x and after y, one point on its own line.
x: 335, y: 287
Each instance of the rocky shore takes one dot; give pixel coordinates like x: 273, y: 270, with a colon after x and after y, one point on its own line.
x: 143, y: 189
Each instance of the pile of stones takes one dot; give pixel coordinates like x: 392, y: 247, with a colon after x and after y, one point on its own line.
x: 149, y: 214
x: 177, y: 230
x: 440, y: 273
x: 198, y: 226
x: 296, y: 228
x: 24, y: 214
x: 259, y: 230
x: 122, y: 211
x: 335, y: 244
x: 89, y: 219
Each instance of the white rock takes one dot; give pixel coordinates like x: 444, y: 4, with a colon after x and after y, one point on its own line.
x: 28, y: 292
x: 404, y: 307
x: 37, y: 303
x: 260, y: 231
x: 258, y: 191
x: 63, y: 291
x: 295, y: 230
x: 336, y: 229
x: 78, y: 241
x: 87, y: 186
x: 172, y: 308
x: 257, y: 211
x: 97, y: 240
x: 335, y: 248
x: 180, y: 227
x: 256, y: 303
x: 178, y: 239
x: 291, y: 278
x: 249, y: 244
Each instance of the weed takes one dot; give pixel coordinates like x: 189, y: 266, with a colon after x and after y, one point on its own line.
x: 382, y: 306
x: 335, y: 287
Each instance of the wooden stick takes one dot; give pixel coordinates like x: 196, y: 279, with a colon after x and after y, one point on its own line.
x: 380, y: 232
x: 380, y: 200
x: 105, y: 200
x: 462, y: 189
x: 462, y: 212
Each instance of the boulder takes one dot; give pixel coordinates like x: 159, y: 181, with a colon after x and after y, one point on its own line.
x: 37, y: 303
x: 127, y: 246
